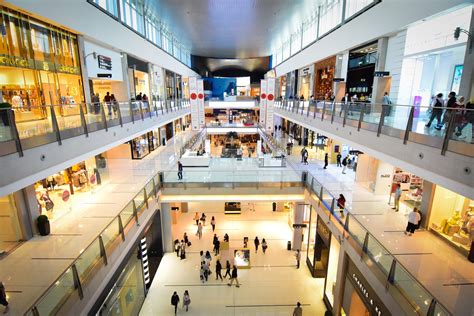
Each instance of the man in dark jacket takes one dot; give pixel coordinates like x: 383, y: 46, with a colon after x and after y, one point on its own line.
x: 234, y: 277
x: 175, y: 301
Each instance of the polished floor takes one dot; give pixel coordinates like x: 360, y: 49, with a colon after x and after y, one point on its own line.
x: 31, y: 268
x: 272, y: 285
x: 441, y: 269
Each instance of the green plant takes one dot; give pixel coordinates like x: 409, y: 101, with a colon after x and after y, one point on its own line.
x: 42, y: 219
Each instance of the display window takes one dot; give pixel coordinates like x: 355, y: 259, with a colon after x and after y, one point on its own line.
x: 140, y: 82
x: 360, y: 74
x: 411, y: 186
x: 140, y: 147
x: 305, y: 88
x: 331, y: 277
x: 10, y: 232
x: 324, y: 75
x: 452, y: 218
x: 154, y: 139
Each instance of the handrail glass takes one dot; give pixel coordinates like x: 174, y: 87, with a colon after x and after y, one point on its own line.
x: 439, y: 123
x: 94, y: 256
x: 59, y: 122
x: 395, y: 274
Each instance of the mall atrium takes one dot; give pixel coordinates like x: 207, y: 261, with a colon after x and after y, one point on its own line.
x: 237, y: 157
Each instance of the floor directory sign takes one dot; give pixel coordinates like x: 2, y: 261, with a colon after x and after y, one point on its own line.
x: 263, y: 99
x: 193, y: 100
x: 269, y: 104
x: 200, y: 92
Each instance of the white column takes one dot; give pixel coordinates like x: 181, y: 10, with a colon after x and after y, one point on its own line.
x: 82, y: 63
x: 298, y: 217
x: 466, y: 88
x: 166, y: 227
x: 381, y: 84
x: 339, y: 288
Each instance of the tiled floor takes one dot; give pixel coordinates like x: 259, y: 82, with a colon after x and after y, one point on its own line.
x: 272, y: 286
x: 32, y: 267
x: 446, y: 273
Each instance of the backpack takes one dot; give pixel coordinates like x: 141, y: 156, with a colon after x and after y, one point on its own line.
x: 344, y: 162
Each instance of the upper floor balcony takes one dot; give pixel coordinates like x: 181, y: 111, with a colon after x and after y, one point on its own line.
x: 434, y: 142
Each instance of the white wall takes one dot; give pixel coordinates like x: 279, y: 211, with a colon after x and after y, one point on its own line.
x: 84, y: 18
x: 382, y: 20
x: 92, y: 64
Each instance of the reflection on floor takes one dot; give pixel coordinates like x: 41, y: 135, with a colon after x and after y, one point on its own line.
x: 446, y: 273
x: 272, y: 286
x: 31, y: 268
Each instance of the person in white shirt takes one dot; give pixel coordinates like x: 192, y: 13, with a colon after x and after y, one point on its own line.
x: 413, y: 220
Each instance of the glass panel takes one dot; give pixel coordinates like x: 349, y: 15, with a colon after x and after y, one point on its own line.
x: 412, y: 289
x: 463, y: 129
x: 111, y: 233
x: 88, y: 259
x: 127, y: 214
x: 149, y: 189
x: 5, y: 129
x: 139, y: 201
x: 70, y: 116
x: 356, y: 229
x: 330, y: 17
x: 354, y: 6
x: 379, y: 254
x: 57, y: 295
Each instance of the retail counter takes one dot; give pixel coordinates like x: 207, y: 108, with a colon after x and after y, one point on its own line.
x: 191, y: 159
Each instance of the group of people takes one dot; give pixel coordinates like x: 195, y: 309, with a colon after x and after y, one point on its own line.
x: 109, y: 100
x: 452, y: 108
x: 175, y: 301
x: 180, y: 246
x: 256, y: 242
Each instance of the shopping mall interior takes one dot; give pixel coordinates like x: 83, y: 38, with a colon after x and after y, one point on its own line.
x: 284, y: 157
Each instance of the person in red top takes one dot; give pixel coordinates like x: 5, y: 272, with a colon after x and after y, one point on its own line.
x: 341, y: 202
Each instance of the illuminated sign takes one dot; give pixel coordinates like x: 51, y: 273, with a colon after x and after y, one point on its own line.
x: 104, y: 62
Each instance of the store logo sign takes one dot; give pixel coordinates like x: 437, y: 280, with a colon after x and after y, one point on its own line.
x: 366, y: 295
x: 104, y: 62
x: 13, y: 61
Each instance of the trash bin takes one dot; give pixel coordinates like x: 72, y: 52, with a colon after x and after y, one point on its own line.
x: 274, y: 206
x: 288, y: 247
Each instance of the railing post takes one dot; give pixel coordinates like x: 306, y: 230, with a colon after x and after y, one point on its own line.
x: 103, y: 253
x: 333, y: 205
x: 302, y: 107
x: 34, y: 311
x: 149, y: 108
x: 14, y: 131
x: 366, y: 243
x: 323, y: 112
x: 104, y: 118
x: 361, y: 116
x: 333, y: 113
x: 135, y: 212
x: 432, y: 308
x: 391, y: 273
x: 131, y: 112
x: 77, y: 281
x: 448, y: 131
x: 119, y: 112
x: 156, y: 108
x: 141, y: 110
x: 346, y: 223
x: 161, y: 106
x: 54, y: 120
x: 309, y: 107
x: 121, y: 230
x: 83, y: 120
x: 409, y: 125
x: 321, y: 193
x: 346, y: 110
x: 381, y: 121
x: 145, y: 197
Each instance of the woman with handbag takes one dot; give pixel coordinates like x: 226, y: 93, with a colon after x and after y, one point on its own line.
x: 186, y: 300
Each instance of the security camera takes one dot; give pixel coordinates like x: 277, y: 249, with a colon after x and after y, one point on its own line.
x: 457, y: 33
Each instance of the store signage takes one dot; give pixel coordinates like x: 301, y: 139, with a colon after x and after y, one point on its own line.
x: 384, y: 176
x: 381, y: 73
x: 337, y: 79
x: 270, y: 102
x: 323, y: 231
x: 194, y: 103
x: 305, y: 71
x: 263, y: 101
x: 14, y: 61
x: 145, y: 265
x: 299, y: 225
x: 368, y: 295
x: 104, y: 62
x: 104, y: 76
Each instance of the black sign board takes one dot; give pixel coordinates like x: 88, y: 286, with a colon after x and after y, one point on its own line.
x: 381, y: 73
x: 337, y: 79
x: 104, y: 75
x: 299, y: 225
x: 104, y: 62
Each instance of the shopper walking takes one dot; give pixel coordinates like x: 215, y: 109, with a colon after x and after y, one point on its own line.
x: 205, y: 266
x: 326, y: 160
x: 217, y: 247
x: 107, y: 101
x: 175, y: 301
x: 186, y: 300
x: 450, y: 106
x: 413, y: 219
x: 338, y: 160
x: 180, y: 170
x: 227, y: 269
x: 199, y: 231
x: 397, y: 195
x: 213, y: 223
x: 305, y: 157
x: 436, y: 110
x: 341, y: 202
x: 298, y: 311
x: 203, y: 219
x: 3, y: 298
x: 218, y: 270
x: 264, y: 245
x: 182, y: 251
x: 345, y: 162
x: 196, y: 218
x: 386, y: 105
x: 298, y: 258
x: 256, y: 242
x: 202, y: 273
x: 226, y: 237
x: 186, y: 240
x: 468, y: 119
x: 302, y: 152
x: 234, y: 277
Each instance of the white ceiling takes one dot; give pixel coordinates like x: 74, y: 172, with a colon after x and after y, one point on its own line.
x: 232, y: 28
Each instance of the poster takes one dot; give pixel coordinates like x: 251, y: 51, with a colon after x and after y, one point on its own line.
x: 193, y: 100
x: 200, y: 92
x: 270, y: 104
x: 263, y: 99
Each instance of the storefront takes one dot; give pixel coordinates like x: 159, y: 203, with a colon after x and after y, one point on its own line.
x: 170, y: 84
x: 291, y: 81
x: 10, y: 232
x: 319, y: 237
x: 359, y: 298
x: 324, y: 75
x: 40, y: 65
x: 153, y: 139
x: 57, y: 193
x: 360, y: 74
x: 105, y: 72
x: 433, y: 66
x: 305, y: 82
x: 140, y: 147
x: 452, y: 218
x: 282, y: 86
x: 139, y: 77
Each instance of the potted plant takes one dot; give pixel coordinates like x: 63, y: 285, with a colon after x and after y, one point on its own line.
x: 43, y: 225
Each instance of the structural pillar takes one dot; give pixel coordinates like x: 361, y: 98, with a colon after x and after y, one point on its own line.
x: 381, y: 84
x: 166, y: 227
x: 298, y: 217
x: 84, y: 75
x: 27, y: 211
x: 466, y: 87
x: 340, y: 281
x: 339, y: 87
